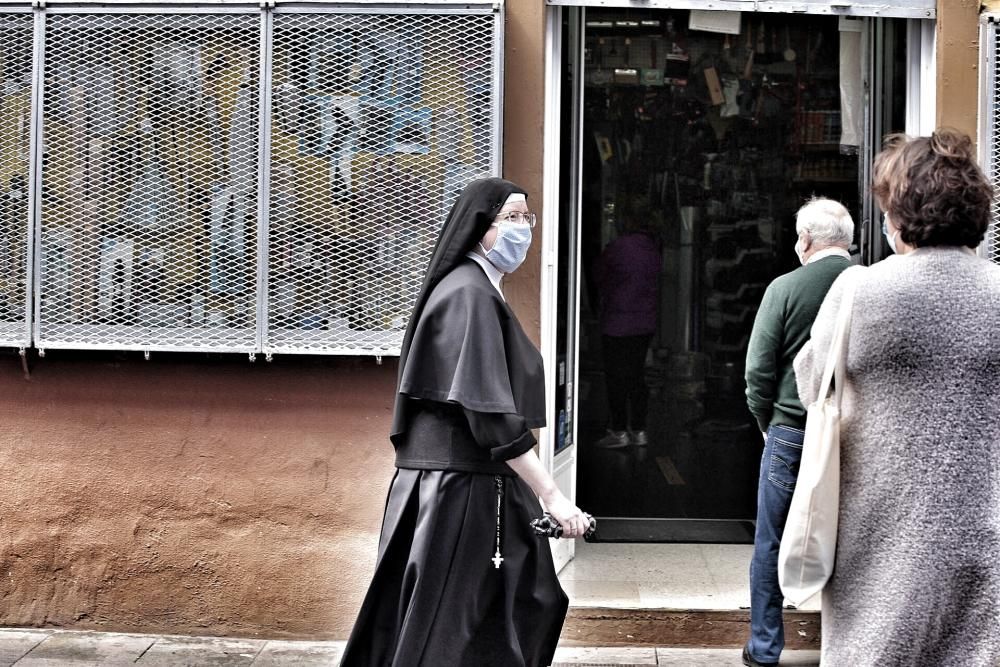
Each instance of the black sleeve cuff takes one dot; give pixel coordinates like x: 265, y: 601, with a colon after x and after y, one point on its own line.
x: 514, y: 448
x: 761, y: 414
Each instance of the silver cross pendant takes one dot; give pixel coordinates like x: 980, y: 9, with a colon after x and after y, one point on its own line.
x: 497, y: 559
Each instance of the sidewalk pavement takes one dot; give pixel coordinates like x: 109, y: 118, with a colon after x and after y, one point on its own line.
x: 55, y: 648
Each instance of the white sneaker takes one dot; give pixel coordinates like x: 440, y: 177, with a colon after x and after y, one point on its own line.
x: 613, y: 440
x: 640, y: 438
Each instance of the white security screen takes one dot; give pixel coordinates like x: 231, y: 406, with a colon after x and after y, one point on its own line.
x: 238, y: 179
x: 16, y: 30
x: 377, y: 122
x: 148, y: 234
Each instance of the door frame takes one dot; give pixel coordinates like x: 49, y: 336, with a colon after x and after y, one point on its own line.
x: 561, y: 465
x: 920, y: 117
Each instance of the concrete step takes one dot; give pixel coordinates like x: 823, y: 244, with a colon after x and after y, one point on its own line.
x: 689, y: 657
x: 680, y: 628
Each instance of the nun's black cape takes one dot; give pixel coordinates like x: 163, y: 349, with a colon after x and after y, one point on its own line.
x: 437, y: 597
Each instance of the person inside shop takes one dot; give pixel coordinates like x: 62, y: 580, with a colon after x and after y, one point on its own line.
x: 627, y: 276
x: 825, y: 231
x: 917, y: 573
x: 461, y: 578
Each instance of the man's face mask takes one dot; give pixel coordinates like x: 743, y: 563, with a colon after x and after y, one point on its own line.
x: 800, y: 250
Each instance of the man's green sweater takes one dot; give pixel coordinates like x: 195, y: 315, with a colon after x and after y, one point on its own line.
x: 780, y: 330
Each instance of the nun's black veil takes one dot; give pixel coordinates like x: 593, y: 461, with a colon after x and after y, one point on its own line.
x: 469, y: 219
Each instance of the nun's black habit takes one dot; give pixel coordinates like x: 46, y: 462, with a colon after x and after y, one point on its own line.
x: 461, y: 579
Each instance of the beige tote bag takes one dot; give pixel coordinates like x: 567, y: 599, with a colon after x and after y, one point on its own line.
x: 809, y: 541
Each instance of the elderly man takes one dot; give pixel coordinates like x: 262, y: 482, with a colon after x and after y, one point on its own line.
x: 825, y: 232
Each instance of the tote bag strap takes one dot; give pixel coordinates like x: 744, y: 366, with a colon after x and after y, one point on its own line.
x: 836, y: 358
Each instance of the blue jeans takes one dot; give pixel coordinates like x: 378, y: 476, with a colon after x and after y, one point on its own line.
x: 779, y: 468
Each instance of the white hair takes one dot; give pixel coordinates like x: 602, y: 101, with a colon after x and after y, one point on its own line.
x: 826, y: 222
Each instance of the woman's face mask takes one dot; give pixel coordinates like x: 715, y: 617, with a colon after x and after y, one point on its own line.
x: 510, y: 247
x: 890, y: 238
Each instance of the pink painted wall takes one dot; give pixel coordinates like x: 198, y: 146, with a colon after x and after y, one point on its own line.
x: 189, y: 496
x: 214, y: 496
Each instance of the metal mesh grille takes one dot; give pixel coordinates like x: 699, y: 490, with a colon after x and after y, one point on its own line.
x: 148, y: 225
x: 15, y: 149
x: 992, y: 240
x: 377, y: 123
x: 152, y: 174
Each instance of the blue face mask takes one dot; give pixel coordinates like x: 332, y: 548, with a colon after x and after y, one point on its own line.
x: 510, y: 247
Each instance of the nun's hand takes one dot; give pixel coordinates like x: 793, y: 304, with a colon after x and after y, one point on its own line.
x: 572, y: 519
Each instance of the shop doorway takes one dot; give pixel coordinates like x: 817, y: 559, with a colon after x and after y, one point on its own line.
x: 686, y: 151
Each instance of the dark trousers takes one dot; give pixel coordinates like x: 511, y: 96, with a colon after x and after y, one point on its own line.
x: 625, y: 374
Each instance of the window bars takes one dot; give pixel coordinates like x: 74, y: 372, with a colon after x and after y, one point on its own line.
x: 377, y: 123
x: 990, y: 128
x: 235, y: 179
x: 148, y: 233
x: 16, y: 38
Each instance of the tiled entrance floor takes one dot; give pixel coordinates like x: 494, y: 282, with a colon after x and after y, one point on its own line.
x: 663, y: 576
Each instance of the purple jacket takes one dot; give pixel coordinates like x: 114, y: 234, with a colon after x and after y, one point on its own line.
x: 627, y: 277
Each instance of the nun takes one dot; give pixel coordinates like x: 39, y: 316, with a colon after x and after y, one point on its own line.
x: 461, y: 578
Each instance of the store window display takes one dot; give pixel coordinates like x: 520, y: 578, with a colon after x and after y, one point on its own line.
x: 15, y: 121
x: 151, y: 172
x: 180, y: 213
x: 377, y: 126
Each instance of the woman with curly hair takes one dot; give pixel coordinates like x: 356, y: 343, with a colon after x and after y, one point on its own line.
x: 917, y: 575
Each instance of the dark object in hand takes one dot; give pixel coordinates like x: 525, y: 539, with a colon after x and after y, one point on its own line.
x: 546, y: 526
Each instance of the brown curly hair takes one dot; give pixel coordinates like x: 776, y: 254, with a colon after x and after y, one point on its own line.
x: 933, y: 189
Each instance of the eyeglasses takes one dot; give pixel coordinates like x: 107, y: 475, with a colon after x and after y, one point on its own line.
x: 517, y: 218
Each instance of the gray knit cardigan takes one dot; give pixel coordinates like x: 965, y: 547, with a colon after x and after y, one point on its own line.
x: 917, y: 577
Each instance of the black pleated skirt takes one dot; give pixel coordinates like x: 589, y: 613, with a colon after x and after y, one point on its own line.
x: 437, y: 599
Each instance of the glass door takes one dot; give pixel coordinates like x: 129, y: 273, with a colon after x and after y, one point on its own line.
x: 682, y: 152
x: 697, y: 144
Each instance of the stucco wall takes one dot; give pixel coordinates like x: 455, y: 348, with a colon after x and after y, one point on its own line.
x: 212, y: 496
x: 191, y: 496
x: 958, y: 64
x: 524, y: 95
